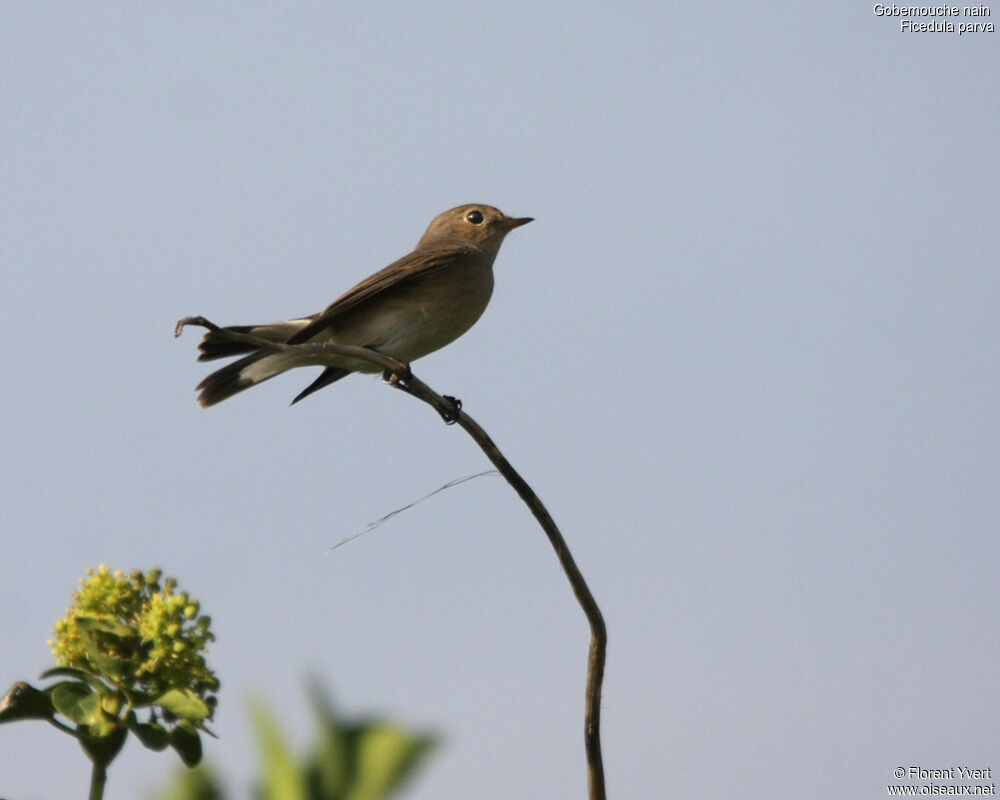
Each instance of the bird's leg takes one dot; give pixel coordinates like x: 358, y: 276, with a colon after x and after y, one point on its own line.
x: 394, y: 378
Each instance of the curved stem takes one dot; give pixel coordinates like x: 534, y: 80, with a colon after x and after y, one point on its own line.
x: 598, y: 630
x: 450, y: 411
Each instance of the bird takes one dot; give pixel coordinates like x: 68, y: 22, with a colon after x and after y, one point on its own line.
x: 416, y: 305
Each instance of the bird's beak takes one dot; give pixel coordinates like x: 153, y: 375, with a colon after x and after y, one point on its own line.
x: 516, y: 222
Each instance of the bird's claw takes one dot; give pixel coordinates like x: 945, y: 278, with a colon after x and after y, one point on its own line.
x: 450, y: 415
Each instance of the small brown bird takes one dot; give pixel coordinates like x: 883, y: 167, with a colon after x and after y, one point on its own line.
x: 415, y: 306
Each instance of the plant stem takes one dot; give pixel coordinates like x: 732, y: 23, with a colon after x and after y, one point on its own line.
x: 98, y: 777
x: 598, y: 630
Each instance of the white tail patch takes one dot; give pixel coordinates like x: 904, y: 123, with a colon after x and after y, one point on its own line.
x: 280, y: 331
x: 268, y: 367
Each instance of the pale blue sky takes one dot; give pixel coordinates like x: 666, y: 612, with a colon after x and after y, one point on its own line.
x: 747, y: 354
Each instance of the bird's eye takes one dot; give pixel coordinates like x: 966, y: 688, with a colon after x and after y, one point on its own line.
x: 475, y: 217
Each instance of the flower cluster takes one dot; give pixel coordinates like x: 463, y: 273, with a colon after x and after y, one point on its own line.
x: 144, y: 635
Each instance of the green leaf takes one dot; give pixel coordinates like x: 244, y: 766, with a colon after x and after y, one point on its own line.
x: 186, y: 741
x: 328, y: 768
x: 184, y: 704
x: 152, y: 734
x: 80, y: 674
x: 360, y: 761
x: 283, y: 778
x: 67, y: 672
x: 197, y: 783
x: 23, y: 701
x: 77, y: 702
x: 385, y: 755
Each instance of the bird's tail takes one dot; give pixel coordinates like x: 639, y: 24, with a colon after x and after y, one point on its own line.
x: 215, y: 344
x: 232, y: 378
x: 248, y: 371
x: 255, y: 367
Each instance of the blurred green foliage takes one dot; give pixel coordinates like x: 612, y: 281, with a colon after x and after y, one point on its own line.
x: 363, y: 759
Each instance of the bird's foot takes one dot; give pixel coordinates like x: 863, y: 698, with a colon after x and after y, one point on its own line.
x: 450, y: 415
x: 394, y: 378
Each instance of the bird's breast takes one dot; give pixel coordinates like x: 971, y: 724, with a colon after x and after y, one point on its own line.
x: 422, y: 316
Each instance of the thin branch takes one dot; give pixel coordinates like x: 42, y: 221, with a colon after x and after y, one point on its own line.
x: 386, y: 517
x: 334, y: 351
x: 398, y: 375
x: 598, y: 630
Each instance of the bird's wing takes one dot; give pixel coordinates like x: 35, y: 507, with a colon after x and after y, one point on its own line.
x: 410, y: 267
